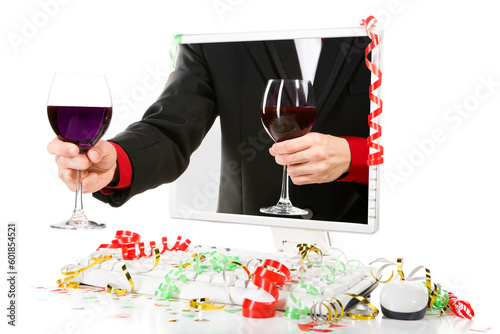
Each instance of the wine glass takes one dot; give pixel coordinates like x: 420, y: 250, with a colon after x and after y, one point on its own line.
x: 79, y: 110
x: 288, y: 111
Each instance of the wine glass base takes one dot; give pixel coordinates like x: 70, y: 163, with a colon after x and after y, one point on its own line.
x: 86, y: 225
x: 284, y: 210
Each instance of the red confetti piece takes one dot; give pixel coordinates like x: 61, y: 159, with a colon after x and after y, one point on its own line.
x: 162, y: 305
x: 118, y: 316
x: 309, y: 327
x: 305, y: 327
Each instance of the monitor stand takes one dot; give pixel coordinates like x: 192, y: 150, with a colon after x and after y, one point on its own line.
x: 286, y: 239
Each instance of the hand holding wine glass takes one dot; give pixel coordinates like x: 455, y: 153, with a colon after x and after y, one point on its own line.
x: 288, y: 111
x: 79, y: 110
x: 313, y: 158
x: 98, y: 166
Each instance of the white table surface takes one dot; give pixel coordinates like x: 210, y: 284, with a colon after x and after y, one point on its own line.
x: 51, y: 310
x: 84, y: 311
x: 42, y: 252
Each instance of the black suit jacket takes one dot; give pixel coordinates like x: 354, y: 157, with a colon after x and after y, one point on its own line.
x: 227, y: 80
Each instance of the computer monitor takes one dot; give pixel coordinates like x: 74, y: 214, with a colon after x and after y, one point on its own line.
x: 195, y: 195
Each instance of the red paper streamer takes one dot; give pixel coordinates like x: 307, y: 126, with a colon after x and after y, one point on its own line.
x: 128, y: 241
x: 461, y: 308
x: 375, y: 158
x: 267, y: 281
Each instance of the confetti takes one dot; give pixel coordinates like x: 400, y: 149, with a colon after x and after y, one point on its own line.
x: 233, y: 310
x: 118, y: 316
x: 131, y: 306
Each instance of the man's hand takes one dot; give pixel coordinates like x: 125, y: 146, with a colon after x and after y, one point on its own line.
x: 313, y: 158
x: 98, y: 166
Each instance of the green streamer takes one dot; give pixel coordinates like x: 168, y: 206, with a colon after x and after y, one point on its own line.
x: 174, y: 48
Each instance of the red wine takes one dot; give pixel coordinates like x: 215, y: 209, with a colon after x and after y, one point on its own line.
x: 290, y: 122
x: 82, y: 126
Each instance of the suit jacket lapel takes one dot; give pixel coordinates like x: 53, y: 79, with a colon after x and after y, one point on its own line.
x: 258, y: 54
x: 332, y: 74
x: 285, y: 58
x: 329, y: 66
x: 275, y: 59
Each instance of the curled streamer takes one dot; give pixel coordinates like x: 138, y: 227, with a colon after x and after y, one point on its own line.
x: 364, y: 301
x: 301, y: 309
x: 174, y: 48
x: 375, y: 158
x: 226, y: 266
x: 461, y: 308
x: 111, y: 289
x: 129, y: 241
x: 266, y: 280
x: 305, y: 249
x: 72, y: 274
x: 441, y: 301
x: 334, y: 311
x: 199, y: 262
x: 126, y: 241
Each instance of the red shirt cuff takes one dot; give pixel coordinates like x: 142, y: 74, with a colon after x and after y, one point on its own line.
x: 125, y: 171
x: 359, y: 157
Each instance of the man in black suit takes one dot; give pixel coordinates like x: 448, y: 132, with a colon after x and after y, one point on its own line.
x: 227, y: 80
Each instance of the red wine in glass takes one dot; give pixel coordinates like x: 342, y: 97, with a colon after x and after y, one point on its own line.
x: 288, y: 111
x: 82, y: 126
x: 79, y: 110
x: 288, y: 122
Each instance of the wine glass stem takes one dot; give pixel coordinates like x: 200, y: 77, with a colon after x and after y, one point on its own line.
x: 284, y: 198
x: 78, y: 216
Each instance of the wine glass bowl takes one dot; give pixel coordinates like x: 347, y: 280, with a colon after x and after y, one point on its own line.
x: 79, y: 109
x: 82, y: 126
x: 288, y: 111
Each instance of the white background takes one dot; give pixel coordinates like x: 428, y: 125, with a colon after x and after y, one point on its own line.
x: 439, y: 201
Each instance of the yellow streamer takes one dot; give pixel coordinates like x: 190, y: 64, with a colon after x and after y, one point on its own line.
x: 369, y: 316
x: 305, y: 249
x: 200, y: 305
x: 111, y: 289
x: 331, y: 306
x: 73, y: 274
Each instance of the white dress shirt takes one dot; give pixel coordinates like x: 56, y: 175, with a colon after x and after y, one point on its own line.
x: 308, y: 50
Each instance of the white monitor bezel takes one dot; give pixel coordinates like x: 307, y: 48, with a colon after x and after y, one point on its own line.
x: 272, y: 221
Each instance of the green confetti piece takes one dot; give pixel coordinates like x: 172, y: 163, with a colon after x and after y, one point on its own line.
x: 131, y: 306
x: 189, y: 315
x: 234, y: 310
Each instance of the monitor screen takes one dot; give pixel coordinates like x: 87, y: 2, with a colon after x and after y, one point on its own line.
x: 206, y: 190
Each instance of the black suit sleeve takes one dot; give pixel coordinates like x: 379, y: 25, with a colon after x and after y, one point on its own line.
x: 159, y: 146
